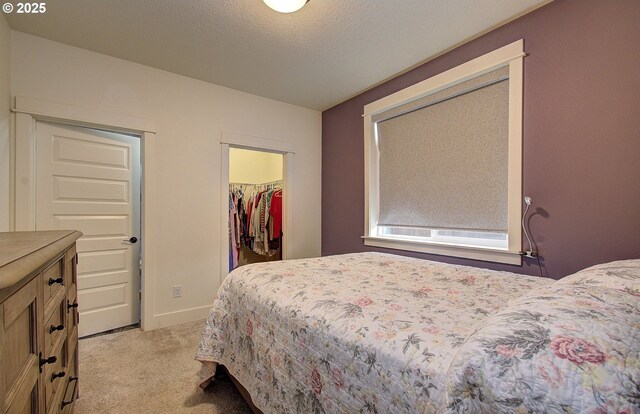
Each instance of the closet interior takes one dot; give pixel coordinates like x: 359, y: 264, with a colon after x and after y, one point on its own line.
x: 255, y: 206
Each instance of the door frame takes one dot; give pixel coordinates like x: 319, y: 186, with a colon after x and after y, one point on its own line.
x: 27, y: 112
x: 234, y: 140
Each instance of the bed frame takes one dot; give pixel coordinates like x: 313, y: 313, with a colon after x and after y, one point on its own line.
x: 243, y: 391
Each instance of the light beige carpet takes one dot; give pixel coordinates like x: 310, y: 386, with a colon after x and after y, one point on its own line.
x: 150, y: 372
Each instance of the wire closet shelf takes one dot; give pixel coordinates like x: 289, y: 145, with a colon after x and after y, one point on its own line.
x: 248, y: 187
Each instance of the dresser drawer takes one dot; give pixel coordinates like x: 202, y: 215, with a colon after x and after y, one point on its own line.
x: 54, y: 379
x: 70, y: 269
x: 55, y: 327
x: 73, y: 317
x: 72, y: 340
x: 53, y: 282
x: 56, y: 400
x: 19, y: 350
x: 70, y: 392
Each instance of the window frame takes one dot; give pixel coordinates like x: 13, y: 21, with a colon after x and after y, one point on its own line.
x: 511, y: 55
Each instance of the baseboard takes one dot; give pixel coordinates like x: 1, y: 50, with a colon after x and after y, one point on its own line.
x: 163, y: 320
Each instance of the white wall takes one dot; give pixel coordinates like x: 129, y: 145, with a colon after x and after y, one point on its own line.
x: 254, y: 167
x: 190, y: 116
x: 5, y: 99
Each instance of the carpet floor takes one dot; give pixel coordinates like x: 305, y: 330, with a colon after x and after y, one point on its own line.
x: 150, y: 372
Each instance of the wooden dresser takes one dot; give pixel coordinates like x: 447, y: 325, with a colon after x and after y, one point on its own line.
x: 38, y: 322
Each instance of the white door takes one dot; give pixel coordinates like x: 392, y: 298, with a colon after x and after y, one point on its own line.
x: 89, y: 180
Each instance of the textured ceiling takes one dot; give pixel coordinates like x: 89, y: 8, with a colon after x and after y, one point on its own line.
x: 317, y: 57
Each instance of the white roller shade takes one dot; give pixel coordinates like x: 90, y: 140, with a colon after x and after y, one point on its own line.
x: 443, y: 158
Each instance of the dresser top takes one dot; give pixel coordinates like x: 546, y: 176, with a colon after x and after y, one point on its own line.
x: 17, y: 248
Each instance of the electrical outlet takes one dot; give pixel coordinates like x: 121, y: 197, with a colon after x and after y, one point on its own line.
x: 177, y: 291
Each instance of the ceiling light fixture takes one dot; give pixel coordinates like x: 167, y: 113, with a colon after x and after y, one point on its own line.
x: 285, y: 6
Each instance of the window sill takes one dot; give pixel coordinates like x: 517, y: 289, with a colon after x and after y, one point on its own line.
x: 467, y: 252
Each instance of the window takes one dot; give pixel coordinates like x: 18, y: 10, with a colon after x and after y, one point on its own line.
x: 443, y: 162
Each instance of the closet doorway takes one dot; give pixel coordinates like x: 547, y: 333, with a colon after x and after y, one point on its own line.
x: 256, y: 184
x: 284, y: 150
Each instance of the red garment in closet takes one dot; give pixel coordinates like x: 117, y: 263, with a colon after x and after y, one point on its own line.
x: 276, y: 213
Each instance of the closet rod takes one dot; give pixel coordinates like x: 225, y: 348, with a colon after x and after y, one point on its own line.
x: 267, y: 183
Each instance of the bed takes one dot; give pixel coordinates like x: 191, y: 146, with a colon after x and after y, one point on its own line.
x: 380, y: 333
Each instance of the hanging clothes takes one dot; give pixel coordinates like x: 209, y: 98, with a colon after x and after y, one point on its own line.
x: 276, y: 213
x: 234, y: 253
x: 255, y: 219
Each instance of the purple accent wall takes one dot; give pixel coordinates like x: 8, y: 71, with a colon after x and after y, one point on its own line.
x: 581, y: 137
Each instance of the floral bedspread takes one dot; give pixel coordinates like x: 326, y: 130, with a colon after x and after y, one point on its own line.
x: 570, y: 347
x: 366, y: 332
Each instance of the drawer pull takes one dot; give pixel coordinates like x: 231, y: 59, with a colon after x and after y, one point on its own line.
x: 50, y: 360
x: 72, y: 305
x: 73, y: 393
x: 57, y: 375
x: 53, y: 281
x: 54, y: 328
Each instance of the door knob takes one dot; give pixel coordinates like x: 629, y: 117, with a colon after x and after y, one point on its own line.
x: 132, y: 240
